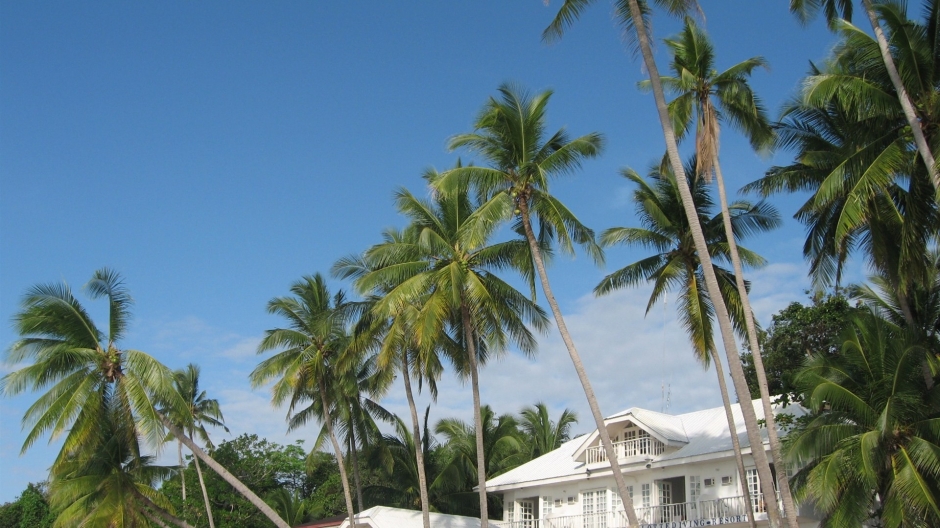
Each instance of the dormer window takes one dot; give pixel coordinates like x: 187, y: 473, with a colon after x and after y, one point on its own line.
x: 631, y: 442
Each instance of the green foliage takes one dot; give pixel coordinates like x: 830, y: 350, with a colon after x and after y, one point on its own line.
x: 795, y: 334
x: 263, y: 466
x: 872, y: 448
x: 29, y: 510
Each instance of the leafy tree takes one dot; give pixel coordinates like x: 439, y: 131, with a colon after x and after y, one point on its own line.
x: 872, y: 449
x: 262, y: 465
x: 29, y: 510
x: 795, y: 334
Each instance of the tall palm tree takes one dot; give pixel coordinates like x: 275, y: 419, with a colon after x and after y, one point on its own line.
x: 400, y: 347
x: 872, y: 448
x: 502, y: 443
x: 916, y: 116
x: 666, y: 230
x: 708, y: 99
x: 510, y: 136
x: 544, y: 435
x: 632, y: 15
x: 445, y: 266
x: 200, y: 411
x: 304, y: 365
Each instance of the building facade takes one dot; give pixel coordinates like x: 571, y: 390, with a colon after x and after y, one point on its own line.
x: 680, y: 471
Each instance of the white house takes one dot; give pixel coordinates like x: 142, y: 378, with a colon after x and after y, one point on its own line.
x: 680, y: 471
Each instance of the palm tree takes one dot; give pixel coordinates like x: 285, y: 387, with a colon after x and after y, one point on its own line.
x: 632, y: 16
x: 872, y: 448
x: 200, y: 410
x: 308, y: 351
x: 853, y: 153
x: 706, y: 97
x: 110, y: 483
x: 444, y: 266
x: 400, y: 348
x: 543, y: 434
x: 81, y: 363
x: 502, y: 443
x: 916, y: 116
x: 667, y: 231
x: 510, y: 136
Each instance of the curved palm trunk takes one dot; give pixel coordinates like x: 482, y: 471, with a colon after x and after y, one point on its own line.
x: 239, y: 486
x: 328, y: 420
x: 354, y: 455
x: 789, y: 507
x: 711, y: 281
x: 477, y: 418
x: 735, y: 443
x: 159, y: 511
x: 919, y: 139
x: 419, y: 452
x: 205, y: 494
x: 578, y: 366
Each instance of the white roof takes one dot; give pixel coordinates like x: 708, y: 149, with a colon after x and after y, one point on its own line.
x: 385, y: 517
x: 704, y: 432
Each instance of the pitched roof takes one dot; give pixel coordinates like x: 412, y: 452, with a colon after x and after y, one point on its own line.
x: 705, y: 432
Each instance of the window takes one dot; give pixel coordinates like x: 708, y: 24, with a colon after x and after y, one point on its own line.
x: 695, y: 490
x: 665, y: 492
x: 637, y: 442
x: 546, y: 507
x: 527, y: 514
x: 594, y: 508
x: 646, y: 493
x: 754, y: 490
x: 510, y: 509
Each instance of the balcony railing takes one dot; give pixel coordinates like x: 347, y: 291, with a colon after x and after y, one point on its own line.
x: 724, y: 509
x: 645, y: 446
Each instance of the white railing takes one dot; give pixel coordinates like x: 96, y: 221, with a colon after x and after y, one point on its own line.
x: 645, y: 446
x: 727, y: 508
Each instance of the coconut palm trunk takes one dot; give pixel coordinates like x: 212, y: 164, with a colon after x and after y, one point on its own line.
x: 354, y: 462
x: 179, y: 453
x: 470, y: 341
x: 578, y: 365
x: 919, y: 139
x: 416, y: 434
x: 328, y: 420
x: 733, y: 430
x: 789, y: 507
x: 711, y: 281
x: 226, y: 475
x: 205, y: 494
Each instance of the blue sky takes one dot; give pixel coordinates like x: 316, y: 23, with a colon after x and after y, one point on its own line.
x: 215, y: 152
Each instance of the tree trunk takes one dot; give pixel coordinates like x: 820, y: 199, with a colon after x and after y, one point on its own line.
x: 578, y: 365
x: 416, y: 434
x: 159, y: 511
x: 711, y: 281
x: 469, y: 338
x: 328, y: 420
x: 205, y: 494
x: 733, y: 429
x: 789, y: 507
x: 239, y: 486
x: 354, y: 456
x: 179, y: 452
x: 919, y: 139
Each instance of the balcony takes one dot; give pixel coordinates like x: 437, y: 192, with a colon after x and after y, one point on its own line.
x: 728, y: 510
x: 638, y: 447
